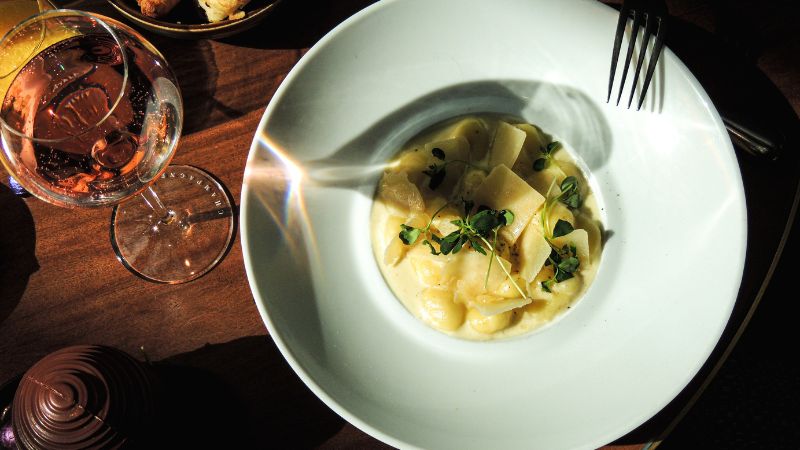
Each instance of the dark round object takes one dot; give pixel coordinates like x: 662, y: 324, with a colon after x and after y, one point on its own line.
x: 84, y: 397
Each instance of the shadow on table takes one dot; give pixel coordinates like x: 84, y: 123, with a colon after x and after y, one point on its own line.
x: 17, y: 250
x: 241, y: 394
x: 727, y: 70
x: 195, y: 67
x: 298, y: 24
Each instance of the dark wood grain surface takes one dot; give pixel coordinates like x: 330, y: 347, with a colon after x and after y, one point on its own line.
x: 61, y: 284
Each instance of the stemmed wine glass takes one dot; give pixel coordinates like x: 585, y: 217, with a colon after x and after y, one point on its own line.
x: 91, y: 117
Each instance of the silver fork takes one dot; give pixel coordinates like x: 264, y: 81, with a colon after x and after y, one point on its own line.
x: 654, y: 16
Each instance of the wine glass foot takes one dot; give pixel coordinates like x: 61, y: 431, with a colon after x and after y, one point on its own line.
x: 186, y: 242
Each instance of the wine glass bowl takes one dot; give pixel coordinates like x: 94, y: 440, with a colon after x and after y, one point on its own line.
x: 94, y: 117
x: 90, y: 116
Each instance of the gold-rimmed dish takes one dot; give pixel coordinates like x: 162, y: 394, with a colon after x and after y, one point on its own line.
x: 187, y: 20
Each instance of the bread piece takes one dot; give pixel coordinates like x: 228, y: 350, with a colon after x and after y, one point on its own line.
x: 219, y: 10
x: 156, y: 8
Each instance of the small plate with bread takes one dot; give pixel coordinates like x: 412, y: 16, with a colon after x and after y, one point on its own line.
x: 195, y: 19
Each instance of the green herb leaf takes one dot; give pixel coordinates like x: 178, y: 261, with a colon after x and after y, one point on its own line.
x: 449, y: 242
x: 433, y: 250
x: 541, y: 163
x: 569, y: 184
x: 547, y: 285
x: 477, y: 246
x: 562, y: 228
x: 409, y: 234
x: 569, y: 265
x: 562, y: 275
x: 508, y: 217
x: 452, y: 237
x: 438, y: 153
x: 459, y: 244
x: 484, y: 222
x: 573, y: 201
x: 553, y: 259
x: 565, y: 262
x: 570, y: 194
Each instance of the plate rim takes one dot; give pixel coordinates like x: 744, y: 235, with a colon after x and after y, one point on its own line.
x: 244, y: 202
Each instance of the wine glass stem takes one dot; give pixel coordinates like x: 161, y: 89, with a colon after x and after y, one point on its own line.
x: 165, y: 215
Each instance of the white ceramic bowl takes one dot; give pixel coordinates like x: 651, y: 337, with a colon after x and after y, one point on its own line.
x: 667, y: 178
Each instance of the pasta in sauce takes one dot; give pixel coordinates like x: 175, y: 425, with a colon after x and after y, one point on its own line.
x: 540, y: 255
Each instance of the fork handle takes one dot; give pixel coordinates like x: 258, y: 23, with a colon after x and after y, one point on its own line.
x: 757, y: 143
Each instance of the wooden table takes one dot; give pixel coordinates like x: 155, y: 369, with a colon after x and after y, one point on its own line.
x: 61, y: 284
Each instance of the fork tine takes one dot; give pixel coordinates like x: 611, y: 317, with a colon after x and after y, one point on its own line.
x: 651, y: 67
x: 637, y: 22
x: 648, y: 31
x: 621, y: 21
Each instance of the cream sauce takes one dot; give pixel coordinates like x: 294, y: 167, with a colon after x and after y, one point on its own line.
x: 428, y: 285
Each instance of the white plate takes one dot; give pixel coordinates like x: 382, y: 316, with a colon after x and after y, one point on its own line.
x: 667, y: 177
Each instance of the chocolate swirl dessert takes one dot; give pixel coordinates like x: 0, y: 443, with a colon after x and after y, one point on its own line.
x: 84, y: 397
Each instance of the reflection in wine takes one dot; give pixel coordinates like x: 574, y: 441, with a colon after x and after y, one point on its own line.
x: 91, y: 117
x: 101, y: 134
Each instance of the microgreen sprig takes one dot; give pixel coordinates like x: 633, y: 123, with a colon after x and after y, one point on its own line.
x: 548, y: 158
x: 565, y: 262
x: 570, y: 192
x: 570, y: 196
x: 472, y: 229
x: 562, y: 228
x: 408, y: 234
x: 437, y: 172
